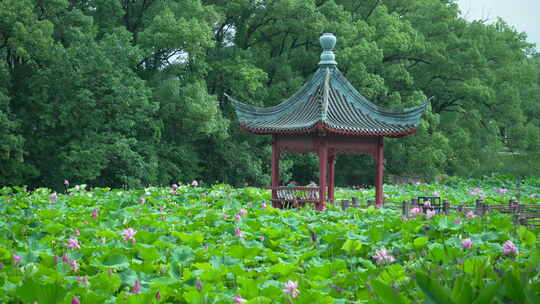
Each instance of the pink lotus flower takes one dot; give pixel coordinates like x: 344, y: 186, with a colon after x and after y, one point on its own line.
x: 477, y: 191
x: 238, y: 233
x: 16, y: 258
x: 173, y: 192
x: 457, y: 220
x: 74, y: 265
x: 83, y: 280
x: 174, y: 186
x: 75, y: 300
x: 73, y: 244
x: 466, y: 243
x: 239, y: 299
x: 243, y: 211
x: 291, y: 288
x: 194, y: 183
x: 430, y: 214
x: 136, y: 288
x: 436, y: 193
x: 66, y: 182
x: 55, y: 259
x: 141, y: 200
x: 53, y: 198
x: 158, y: 295
x: 77, y: 232
x: 383, y: 256
x: 95, y: 213
x: 501, y: 190
x: 264, y: 205
x: 470, y: 214
x: 161, y: 209
x: 510, y: 248
x: 225, y: 216
x: 65, y: 258
x: 416, y: 211
x: 238, y: 217
x: 198, y: 285
x: 427, y: 204
x: 129, y: 235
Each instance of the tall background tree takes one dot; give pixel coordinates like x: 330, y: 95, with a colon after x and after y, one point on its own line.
x: 131, y: 92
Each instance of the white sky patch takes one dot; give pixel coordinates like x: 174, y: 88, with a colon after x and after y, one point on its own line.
x: 523, y: 15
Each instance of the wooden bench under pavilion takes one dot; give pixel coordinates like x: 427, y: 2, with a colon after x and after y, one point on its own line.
x: 327, y: 116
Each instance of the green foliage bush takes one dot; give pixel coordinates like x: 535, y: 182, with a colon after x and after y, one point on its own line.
x: 130, y: 93
x: 210, y: 245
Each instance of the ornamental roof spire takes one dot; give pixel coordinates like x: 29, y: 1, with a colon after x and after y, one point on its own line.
x: 328, y: 41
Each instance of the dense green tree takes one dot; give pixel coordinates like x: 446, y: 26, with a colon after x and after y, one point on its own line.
x: 132, y: 92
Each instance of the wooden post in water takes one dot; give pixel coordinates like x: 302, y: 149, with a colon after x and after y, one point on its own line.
x: 344, y: 205
x: 405, y: 208
x: 445, y: 207
x: 515, y: 211
x: 414, y: 203
x: 478, y: 207
x: 485, y: 208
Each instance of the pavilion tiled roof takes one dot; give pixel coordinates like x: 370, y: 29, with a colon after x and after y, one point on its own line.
x: 328, y: 102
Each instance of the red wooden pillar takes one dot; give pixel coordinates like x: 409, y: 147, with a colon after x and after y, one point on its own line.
x: 275, y: 172
x: 380, y: 172
x: 323, y: 165
x: 331, y: 165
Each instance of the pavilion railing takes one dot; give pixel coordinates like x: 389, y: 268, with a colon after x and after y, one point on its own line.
x: 295, y: 194
x: 523, y: 214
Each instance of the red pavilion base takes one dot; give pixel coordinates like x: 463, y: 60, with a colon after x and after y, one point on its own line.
x: 327, y: 147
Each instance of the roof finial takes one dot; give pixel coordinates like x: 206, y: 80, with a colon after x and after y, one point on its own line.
x: 328, y: 41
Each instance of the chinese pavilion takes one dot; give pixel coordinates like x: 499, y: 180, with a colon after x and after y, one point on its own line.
x: 326, y: 116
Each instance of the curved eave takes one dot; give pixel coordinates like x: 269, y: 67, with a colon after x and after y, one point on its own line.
x: 246, y: 112
x: 403, y: 117
x: 328, y: 102
x: 324, y: 127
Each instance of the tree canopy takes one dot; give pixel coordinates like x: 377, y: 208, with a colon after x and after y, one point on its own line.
x: 131, y: 92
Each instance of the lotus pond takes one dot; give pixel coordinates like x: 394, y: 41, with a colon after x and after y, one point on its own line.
x: 224, y: 245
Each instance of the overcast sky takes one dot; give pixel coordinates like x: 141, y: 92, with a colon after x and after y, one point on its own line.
x: 524, y: 15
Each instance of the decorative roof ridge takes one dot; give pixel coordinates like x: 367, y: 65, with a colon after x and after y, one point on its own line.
x: 306, y: 90
x: 326, y: 95
x: 407, y: 116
